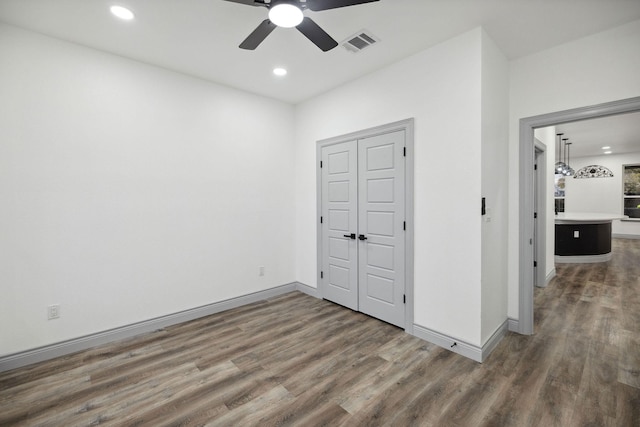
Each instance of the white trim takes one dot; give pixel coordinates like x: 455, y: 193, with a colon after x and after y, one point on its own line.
x: 550, y: 277
x: 494, y: 340
x: 40, y: 354
x: 513, y: 325
x: 582, y: 259
x: 306, y: 289
x: 525, y: 216
x: 473, y: 352
x: 28, y: 357
x: 625, y: 236
x: 448, y: 343
x: 540, y: 158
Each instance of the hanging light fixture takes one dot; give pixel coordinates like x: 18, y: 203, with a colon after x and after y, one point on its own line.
x: 568, y: 170
x: 560, y: 165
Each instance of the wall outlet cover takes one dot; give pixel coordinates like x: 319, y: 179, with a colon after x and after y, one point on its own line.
x: 53, y: 311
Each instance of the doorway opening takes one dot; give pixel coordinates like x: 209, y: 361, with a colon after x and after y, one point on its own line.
x: 527, y: 200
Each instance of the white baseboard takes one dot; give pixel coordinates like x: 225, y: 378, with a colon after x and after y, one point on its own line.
x: 449, y: 343
x: 51, y: 351
x: 550, y: 276
x: 582, y: 259
x: 514, y: 325
x: 28, y: 357
x: 473, y: 352
x: 306, y: 289
x: 495, y: 339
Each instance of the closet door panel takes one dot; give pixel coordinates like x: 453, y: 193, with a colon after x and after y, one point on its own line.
x: 339, y: 187
x: 381, y: 204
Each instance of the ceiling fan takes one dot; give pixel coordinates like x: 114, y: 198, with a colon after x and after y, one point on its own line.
x: 288, y: 14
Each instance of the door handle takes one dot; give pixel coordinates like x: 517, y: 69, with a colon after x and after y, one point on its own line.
x: 351, y: 236
x: 362, y: 237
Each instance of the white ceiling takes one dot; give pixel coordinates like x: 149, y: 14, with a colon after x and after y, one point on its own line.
x: 200, y: 37
x: 621, y: 133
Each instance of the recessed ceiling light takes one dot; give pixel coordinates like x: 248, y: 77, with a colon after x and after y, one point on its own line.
x: 279, y: 71
x: 606, y: 147
x: 122, y: 12
x: 607, y: 152
x: 285, y: 15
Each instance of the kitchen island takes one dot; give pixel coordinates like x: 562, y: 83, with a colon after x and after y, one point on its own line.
x: 583, y: 237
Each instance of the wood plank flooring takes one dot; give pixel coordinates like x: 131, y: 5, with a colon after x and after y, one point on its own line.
x: 296, y: 360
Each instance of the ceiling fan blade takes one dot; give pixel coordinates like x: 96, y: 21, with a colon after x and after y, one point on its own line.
x: 317, y: 5
x: 258, y: 35
x: 247, y: 2
x: 317, y: 35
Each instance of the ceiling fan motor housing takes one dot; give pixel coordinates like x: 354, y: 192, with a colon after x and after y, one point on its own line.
x: 304, y: 24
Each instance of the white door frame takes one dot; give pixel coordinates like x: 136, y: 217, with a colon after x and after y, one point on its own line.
x: 407, y: 126
x: 540, y: 238
x: 527, y: 156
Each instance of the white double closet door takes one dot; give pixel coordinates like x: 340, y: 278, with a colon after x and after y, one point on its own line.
x: 363, y: 225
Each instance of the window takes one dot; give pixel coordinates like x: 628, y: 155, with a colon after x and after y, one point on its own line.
x: 631, y: 191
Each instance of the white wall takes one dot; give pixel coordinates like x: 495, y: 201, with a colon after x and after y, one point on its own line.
x: 129, y: 192
x: 441, y: 89
x: 603, y: 195
x: 495, y: 185
x: 592, y: 70
x: 134, y: 192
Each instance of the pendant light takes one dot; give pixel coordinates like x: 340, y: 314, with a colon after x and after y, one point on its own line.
x: 569, y: 171
x: 560, y: 165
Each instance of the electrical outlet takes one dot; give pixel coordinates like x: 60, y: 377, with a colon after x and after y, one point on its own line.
x: 53, y: 311
x: 261, y: 270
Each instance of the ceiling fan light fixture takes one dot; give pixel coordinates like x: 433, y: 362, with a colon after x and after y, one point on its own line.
x: 285, y: 15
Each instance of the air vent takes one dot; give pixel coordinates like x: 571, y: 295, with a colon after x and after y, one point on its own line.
x: 359, y: 41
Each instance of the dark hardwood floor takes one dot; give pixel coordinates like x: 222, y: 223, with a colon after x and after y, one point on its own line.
x: 296, y: 360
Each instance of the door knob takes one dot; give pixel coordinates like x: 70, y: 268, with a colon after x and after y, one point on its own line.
x: 362, y: 237
x: 351, y: 236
